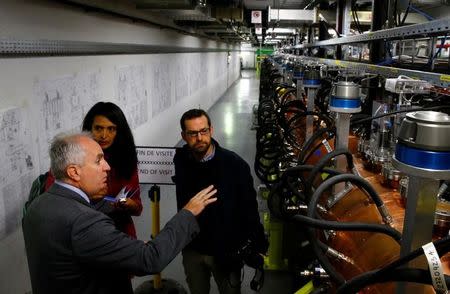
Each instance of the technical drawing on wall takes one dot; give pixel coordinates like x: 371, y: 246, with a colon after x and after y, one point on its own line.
x: 204, y: 73
x: 181, y: 74
x: 160, y: 86
x: 59, y: 106
x: 132, y: 94
x: 195, y: 73
x: 17, y: 167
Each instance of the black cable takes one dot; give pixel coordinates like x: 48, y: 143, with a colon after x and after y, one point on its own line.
x: 333, y: 28
x: 294, y: 112
x: 442, y: 246
x: 323, y: 162
x: 358, y: 116
x: 307, y: 145
x: 357, y: 18
x: 284, y: 96
x: 297, y: 103
x: 300, y: 168
x: 354, y: 17
x: 387, y: 47
x: 322, y: 93
x: 417, y: 108
x: 348, y: 226
x: 276, y: 190
x: 413, y: 275
x: 406, y: 13
x: 360, y: 182
x: 293, y: 125
x: 267, y: 151
x: 395, y: 13
x: 323, y: 260
x: 327, y: 266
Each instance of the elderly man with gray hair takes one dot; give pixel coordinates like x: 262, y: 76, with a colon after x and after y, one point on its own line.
x: 72, y: 248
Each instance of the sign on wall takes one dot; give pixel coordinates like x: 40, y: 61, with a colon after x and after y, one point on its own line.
x: 256, y: 16
x: 155, y: 165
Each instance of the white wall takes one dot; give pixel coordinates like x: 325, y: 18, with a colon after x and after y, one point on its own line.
x: 178, y: 81
x: 248, y: 55
x: 248, y: 59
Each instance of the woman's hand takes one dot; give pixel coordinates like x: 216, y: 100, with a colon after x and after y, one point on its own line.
x: 129, y: 205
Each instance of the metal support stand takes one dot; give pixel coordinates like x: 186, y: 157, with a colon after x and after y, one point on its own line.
x: 342, y: 133
x: 158, y: 285
x: 312, y: 92
x: 344, y: 101
x: 419, y: 213
x: 418, y: 224
x: 311, y: 83
x: 299, y: 88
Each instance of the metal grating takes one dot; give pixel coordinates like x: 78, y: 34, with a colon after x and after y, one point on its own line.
x: 436, y: 27
x: 23, y: 48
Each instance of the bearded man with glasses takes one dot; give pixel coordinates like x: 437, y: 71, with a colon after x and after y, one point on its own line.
x: 227, y: 226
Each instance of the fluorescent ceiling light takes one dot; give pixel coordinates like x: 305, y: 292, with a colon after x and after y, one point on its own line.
x: 280, y: 31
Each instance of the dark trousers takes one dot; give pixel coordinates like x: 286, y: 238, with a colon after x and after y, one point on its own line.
x: 198, y: 269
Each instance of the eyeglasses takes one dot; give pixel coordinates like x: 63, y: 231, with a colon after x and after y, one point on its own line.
x: 194, y: 134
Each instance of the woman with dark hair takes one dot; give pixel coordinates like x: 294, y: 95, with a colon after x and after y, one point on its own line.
x: 109, y: 127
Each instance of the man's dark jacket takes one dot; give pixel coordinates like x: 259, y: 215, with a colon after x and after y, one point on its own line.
x: 228, y: 223
x: 73, y: 248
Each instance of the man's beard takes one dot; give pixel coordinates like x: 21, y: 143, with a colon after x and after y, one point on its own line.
x: 201, y: 151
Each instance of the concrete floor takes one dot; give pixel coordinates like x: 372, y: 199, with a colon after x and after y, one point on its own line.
x: 232, y: 120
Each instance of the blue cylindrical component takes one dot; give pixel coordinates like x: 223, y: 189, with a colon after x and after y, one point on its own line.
x: 424, y: 141
x: 299, y: 72
x: 311, y: 78
x: 344, y: 102
x: 311, y: 83
x: 422, y: 158
x: 298, y: 75
x: 345, y: 98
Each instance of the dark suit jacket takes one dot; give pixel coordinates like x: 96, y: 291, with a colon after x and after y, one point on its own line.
x: 72, y: 248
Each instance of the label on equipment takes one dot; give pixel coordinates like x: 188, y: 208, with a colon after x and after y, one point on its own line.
x: 435, y: 266
x: 327, y: 145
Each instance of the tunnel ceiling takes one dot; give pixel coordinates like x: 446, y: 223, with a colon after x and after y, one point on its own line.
x: 229, y: 20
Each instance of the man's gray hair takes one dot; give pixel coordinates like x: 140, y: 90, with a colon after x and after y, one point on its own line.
x: 66, y: 149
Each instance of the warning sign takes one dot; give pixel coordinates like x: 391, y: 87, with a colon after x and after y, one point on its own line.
x: 256, y: 16
x: 155, y: 165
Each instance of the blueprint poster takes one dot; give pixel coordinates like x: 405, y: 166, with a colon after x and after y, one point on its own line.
x: 59, y: 105
x: 17, y: 167
x: 132, y: 94
x: 160, y: 86
x: 180, y: 71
